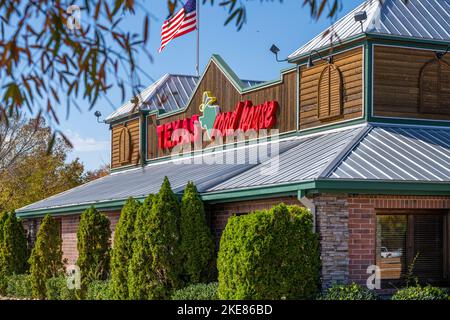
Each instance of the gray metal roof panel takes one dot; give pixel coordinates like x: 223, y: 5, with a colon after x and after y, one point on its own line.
x: 419, y: 19
x: 303, y: 162
x: 205, y: 171
x: 381, y: 152
x: 399, y: 154
x: 169, y: 93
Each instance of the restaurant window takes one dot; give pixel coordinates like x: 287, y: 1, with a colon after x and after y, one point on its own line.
x: 411, y: 246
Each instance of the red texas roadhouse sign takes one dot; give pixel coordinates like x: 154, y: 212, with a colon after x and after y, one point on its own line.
x: 245, y: 117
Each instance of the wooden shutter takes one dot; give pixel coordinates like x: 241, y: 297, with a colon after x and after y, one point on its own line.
x: 435, y: 87
x: 124, y: 146
x: 330, y: 92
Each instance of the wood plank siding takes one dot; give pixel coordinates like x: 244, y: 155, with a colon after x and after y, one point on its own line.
x: 396, y: 84
x: 350, y: 66
x: 228, y: 96
x: 116, y: 144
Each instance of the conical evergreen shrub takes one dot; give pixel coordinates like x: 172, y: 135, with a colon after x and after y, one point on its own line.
x: 122, y: 251
x: 140, y: 272
x: 93, y: 243
x: 197, y: 246
x: 164, y: 242
x: 13, y: 248
x: 46, y: 257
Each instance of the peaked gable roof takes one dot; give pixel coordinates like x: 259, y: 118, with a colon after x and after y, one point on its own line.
x: 172, y: 93
x: 416, y: 19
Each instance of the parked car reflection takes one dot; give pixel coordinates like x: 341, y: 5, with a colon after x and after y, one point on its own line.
x: 386, y: 253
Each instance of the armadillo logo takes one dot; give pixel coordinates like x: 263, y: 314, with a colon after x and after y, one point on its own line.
x: 210, y: 111
x: 245, y: 117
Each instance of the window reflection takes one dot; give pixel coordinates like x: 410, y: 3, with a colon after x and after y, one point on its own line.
x: 391, y: 246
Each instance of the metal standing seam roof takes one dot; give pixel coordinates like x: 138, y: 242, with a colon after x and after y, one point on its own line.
x: 303, y: 162
x: 204, y: 171
x: 398, y: 154
x: 169, y: 93
x: 419, y: 19
x: 369, y: 152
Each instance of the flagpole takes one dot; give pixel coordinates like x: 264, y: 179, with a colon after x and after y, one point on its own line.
x: 197, y: 3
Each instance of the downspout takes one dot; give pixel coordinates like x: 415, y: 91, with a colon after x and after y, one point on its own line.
x: 143, y: 137
x: 297, y: 98
x: 309, y: 204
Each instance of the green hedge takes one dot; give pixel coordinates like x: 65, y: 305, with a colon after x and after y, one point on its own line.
x: 19, y: 286
x: 269, y: 255
x: 421, y: 293
x: 200, y: 291
x: 99, y: 290
x: 57, y: 289
x: 349, y: 292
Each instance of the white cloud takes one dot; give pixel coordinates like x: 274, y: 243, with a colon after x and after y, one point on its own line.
x: 86, y: 144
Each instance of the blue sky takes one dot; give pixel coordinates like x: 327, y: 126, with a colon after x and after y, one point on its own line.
x: 288, y: 25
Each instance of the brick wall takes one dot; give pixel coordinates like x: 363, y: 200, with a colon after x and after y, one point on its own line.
x: 362, y: 225
x: 219, y: 213
x: 69, y: 227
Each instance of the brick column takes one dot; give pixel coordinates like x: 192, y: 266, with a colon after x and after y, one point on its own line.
x: 332, y: 226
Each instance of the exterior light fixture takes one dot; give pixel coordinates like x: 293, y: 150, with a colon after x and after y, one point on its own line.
x: 360, y: 17
x: 98, y: 114
x: 274, y: 49
x: 441, y: 54
x: 310, y: 62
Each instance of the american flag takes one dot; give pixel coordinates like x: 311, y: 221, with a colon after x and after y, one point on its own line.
x: 184, y: 21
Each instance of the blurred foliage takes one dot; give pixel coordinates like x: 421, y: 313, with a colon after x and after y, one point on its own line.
x: 28, y: 171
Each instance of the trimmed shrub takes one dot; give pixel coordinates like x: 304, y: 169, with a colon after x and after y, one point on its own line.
x: 46, y: 257
x: 200, y: 291
x: 3, y: 217
x: 349, y: 292
x: 269, y: 255
x: 57, y: 289
x: 197, y: 246
x: 421, y: 293
x: 3, y: 262
x: 140, y: 271
x: 163, y: 233
x: 13, y: 248
x: 15, y: 245
x: 93, y: 243
x: 19, y: 286
x: 99, y: 290
x: 122, y: 251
